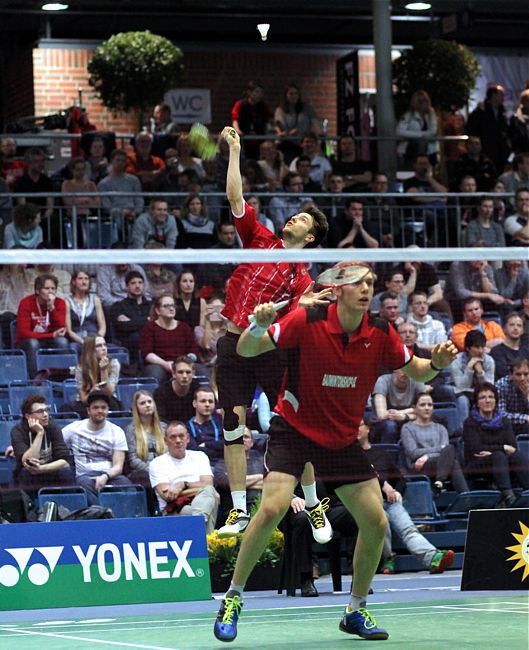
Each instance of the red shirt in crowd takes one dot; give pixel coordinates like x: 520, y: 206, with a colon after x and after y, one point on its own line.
x: 331, y: 373
x: 167, y: 344
x: 11, y: 171
x: 255, y: 283
x: 36, y: 322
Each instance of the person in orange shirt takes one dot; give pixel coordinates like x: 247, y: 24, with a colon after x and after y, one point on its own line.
x: 142, y: 163
x: 472, y: 313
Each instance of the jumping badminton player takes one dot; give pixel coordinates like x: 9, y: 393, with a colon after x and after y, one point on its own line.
x: 237, y: 378
x: 336, y: 352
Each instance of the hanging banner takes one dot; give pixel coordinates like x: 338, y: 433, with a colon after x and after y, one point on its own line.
x: 348, y: 98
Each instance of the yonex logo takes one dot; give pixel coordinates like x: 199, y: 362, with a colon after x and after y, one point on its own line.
x: 38, y: 573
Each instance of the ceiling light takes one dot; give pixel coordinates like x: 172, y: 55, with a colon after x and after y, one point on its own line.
x: 418, y: 6
x: 54, y: 6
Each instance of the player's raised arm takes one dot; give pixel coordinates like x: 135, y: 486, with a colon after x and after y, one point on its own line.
x: 255, y: 340
x: 233, y: 179
x: 425, y: 369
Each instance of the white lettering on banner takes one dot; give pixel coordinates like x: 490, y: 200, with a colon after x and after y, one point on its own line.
x: 131, y: 560
x: 189, y: 105
x: 339, y: 381
x: 156, y: 573
x: 85, y: 560
x: 182, y: 563
x: 116, y: 562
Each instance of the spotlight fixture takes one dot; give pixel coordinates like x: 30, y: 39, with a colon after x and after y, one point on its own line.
x: 54, y: 6
x: 418, y: 6
x: 263, y: 30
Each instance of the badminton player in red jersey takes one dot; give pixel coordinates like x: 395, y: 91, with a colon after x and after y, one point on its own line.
x: 249, y: 286
x: 336, y: 352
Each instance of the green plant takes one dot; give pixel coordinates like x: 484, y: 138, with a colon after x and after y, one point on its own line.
x: 133, y: 70
x: 446, y: 70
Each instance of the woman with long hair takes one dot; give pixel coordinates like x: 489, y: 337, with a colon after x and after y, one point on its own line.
x: 84, y: 311
x: 78, y: 182
x: 196, y: 229
x: 190, y: 308
x: 145, y: 438
x: 490, y: 445
x: 96, y: 371
x: 293, y: 118
x: 207, y: 336
x: 418, y: 125
x: 164, y: 338
x: 428, y: 450
x: 186, y: 160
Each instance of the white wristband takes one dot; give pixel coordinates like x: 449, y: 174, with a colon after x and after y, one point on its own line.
x: 256, y: 330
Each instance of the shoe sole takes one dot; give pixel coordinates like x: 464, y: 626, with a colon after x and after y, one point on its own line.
x: 445, y: 563
x: 376, y: 636
x: 223, y: 534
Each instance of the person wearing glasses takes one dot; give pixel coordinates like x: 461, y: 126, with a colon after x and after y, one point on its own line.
x: 42, y: 457
x: 163, y: 339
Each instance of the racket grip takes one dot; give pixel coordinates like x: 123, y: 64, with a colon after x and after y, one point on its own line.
x: 277, y: 307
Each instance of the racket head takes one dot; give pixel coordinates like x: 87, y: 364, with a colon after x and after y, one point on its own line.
x: 202, y: 142
x: 345, y: 273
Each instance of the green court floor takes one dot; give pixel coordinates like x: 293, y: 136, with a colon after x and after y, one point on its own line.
x: 498, y: 623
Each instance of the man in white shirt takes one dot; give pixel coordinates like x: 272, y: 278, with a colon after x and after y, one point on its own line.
x: 98, y: 447
x: 183, y: 479
x: 430, y: 331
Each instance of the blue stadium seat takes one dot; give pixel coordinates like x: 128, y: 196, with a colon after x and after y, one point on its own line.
x: 523, y: 500
x: 418, y: 500
x: 13, y: 332
x: 71, y: 497
x: 56, y: 358
x: 64, y: 418
x: 472, y: 500
x: 7, y: 422
x: 124, y: 500
x: 449, y: 412
x: 19, y: 390
x: 119, y: 353
x: 12, y: 366
x: 392, y: 449
x: 69, y: 391
x: 121, y: 418
x: 7, y: 467
x: 127, y: 387
x: 522, y: 441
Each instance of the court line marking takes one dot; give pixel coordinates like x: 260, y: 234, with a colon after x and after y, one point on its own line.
x: 80, y: 638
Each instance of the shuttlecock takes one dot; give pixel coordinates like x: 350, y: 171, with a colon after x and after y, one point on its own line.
x: 263, y: 30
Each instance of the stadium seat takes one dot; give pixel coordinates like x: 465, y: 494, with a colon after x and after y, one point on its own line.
x: 119, y: 353
x: 523, y: 500
x: 121, y: 418
x: 64, y: 418
x: 7, y: 422
x: 13, y: 332
x: 69, y: 391
x: 71, y: 497
x: 392, y: 449
x: 55, y: 358
x: 418, y: 500
x: 19, y: 390
x: 449, y: 412
x: 522, y: 441
x: 473, y: 500
x: 7, y: 468
x: 127, y: 387
x: 13, y: 366
x: 124, y: 500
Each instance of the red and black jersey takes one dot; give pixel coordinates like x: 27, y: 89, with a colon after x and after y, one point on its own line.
x: 331, y: 373
x: 252, y: 284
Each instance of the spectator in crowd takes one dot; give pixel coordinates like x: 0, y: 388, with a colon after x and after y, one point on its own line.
x: 281, y: 208
x: 35, y: 180
x: 161, y: 114
x: 502, y: 207
x: 13, y: 283
x: 380, y: 209
x: 170, y: 180
x: 519, y: 125
x: 394, y: 396
x: 84, y: 205
x: 513, y: 395
x: 293, y: 118
x: 197, y: 230
x: 512, y: 281
x: 427, y: 448
x: 471, y: 368
x: 517, y: 225
x: 468, y: 209
x: 6, y: 203
x: 483, y: 231
x: 490, y: 446
x: 190, y: 307
x: 272, y: 162
x: 472, y: 314
x: 186, y: 160
x: 489, y: 122
x: 215, y: 276
x: 112, y: 281
x: 183, y: 479
x: 142, y: 164
x: 473, y: 279
x: 357, y: 174
x: 207, y: 336
x: 41, y: 321
x: 393, y: 486
x: 425, y: 279
x: 336, y: 186
x: 251, y: 116
x: 394, y: 282
x: 349, y: 230
x: 11, y: 167
x: 511, y: 348
x: 84, y: 311
x: 205, y: 427
x: 121, y: 208
x: 98, y: 448
x: 210, y: 184
x: 164, y: 338
x: 161, y: 280
x: 255, y: 176
x: 476, y: 164
x: 128, y: 316
x: 145, y: 438
x: 303, y: 168
x: 430, y: 331
x: 174, y: 398
x: 389, y: 308
x: 24, y: 231
x: 98, y: 165
x: 155, y: 225
x: 42, y: 457
x: 519, y: 175
x: 419, y: 126
x: 260, y: 215
x: 320, y: 167
x: 63, y: 276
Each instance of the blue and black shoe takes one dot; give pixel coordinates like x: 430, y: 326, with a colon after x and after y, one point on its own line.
x: 226, y: 624
x: 361, y: 622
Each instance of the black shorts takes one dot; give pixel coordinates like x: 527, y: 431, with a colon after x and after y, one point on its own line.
x: 288, y: 451
x: 238, y: 377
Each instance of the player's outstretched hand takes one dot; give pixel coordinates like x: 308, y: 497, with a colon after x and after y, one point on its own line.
x: 309, y: 298
x: 230, y: 135
x: 443, y: 354
x: 265, y: 314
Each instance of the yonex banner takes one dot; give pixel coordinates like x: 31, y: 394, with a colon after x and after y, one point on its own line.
x: 103, y: 562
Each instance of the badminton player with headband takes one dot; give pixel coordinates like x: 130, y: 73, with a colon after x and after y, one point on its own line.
x: 286, y: 285
x: 336, y: 353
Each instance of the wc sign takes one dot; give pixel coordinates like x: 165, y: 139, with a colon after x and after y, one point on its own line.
x: 189, y: 105
x: 103, y: 562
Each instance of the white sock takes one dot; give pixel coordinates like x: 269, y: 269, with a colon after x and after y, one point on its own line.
x: 357, y: 602
x: 239, y: 499
x: 235, y: 588
x: 309, y: 492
